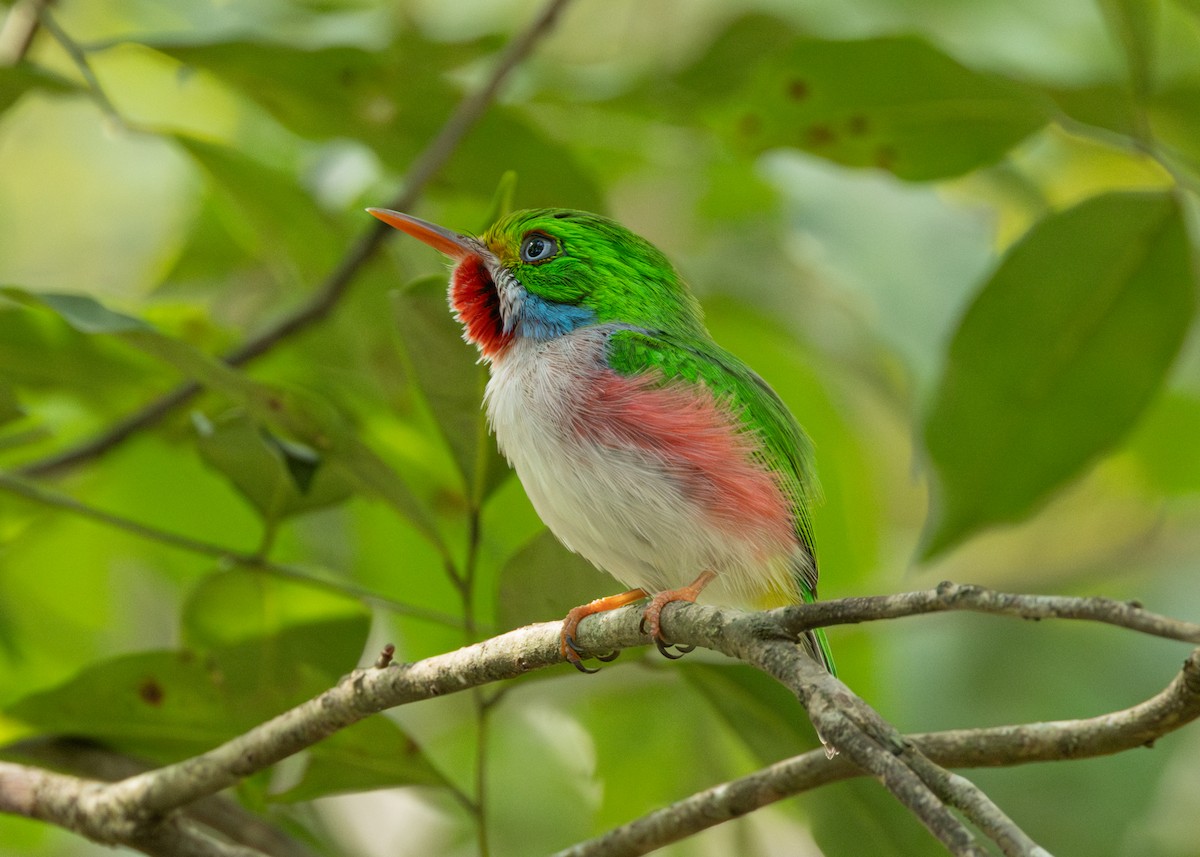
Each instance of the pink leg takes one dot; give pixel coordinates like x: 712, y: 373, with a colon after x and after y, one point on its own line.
x: 570, y: 626
x: 651, y: 619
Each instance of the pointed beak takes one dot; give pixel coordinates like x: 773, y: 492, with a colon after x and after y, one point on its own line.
x: 453, y: 244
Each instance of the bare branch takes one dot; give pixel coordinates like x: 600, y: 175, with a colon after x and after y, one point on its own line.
x: 131, y: 809
x: 327, y: 296
x: 1174, y: 707
x: 956, y: 596
x: 90, y: 760
x: 61, y: 799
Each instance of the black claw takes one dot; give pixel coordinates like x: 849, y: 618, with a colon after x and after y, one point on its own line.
x: 663, y: 648
x: 610, y: 657
x: 642, y: 625
x: 579, y: 666
x: 683, y: 650
x: 572, y: 645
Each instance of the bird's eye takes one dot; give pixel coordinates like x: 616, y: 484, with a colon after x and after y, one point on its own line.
x: 538, y: 247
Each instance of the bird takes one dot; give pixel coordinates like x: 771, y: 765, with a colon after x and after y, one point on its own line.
x: 643, y: 445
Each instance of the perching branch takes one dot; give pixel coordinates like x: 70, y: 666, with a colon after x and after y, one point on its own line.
x: 141, y: 810
x: 331, y: 291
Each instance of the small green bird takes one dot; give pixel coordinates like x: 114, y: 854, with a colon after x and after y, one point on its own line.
x: 643, y: 445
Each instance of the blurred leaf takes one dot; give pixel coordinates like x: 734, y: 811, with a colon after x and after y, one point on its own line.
x: 298, y: 413
x: 1103, y: 105
x: 165, y: 705
x: 543, y: 580
x: 550, y: 172
x: 393, y: 100
x: 268, y: 212
x: 759, y: 710
x: 450, y: 376
x: 1135, y: 24
x: 17, y: 80
x: 42, y: 351
x: 372, y: 754
x: 254, y: 460
x: 276, y: 622
x: 894, y: 103
x: 10, y: 406
x: 722, y: 70
x: 259, y: 645
x: 1057, y: 358
x: 1175, y: 117
x: 860, y: 817
x: 1164, y: 444
x: 87, y: 315
x: 502, y: 199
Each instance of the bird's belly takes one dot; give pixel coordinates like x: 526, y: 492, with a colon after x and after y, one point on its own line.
x: 623, y: 507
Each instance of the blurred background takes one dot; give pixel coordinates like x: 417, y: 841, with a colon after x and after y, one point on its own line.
x: 837, y: 180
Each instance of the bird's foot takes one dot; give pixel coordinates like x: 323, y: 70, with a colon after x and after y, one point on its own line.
x: 652, y: 618
x: 571, y: 651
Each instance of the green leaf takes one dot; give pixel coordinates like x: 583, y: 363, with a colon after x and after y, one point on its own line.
x: 257, y: 645
x: 17, y: 80
x: 1135, y: 24
x: 550, y: 173
x: 894, y: 103
x: 391, y: 99
x: 10, y: 405
x: 165, y: 705
x: 543, y: 580
x: 276, y: 622
x: 267, y: 211
x: 86, y: 314
x: 1163, y: 444
x: 860, y: 817
x: 372, y: 754
x: 449, y: 375
x: 255, y: 462
x: 759, y: 710
x: 1057, y: 358
x: 301, y: 414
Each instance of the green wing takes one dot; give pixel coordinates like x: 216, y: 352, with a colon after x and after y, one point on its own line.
x: 786, y: 449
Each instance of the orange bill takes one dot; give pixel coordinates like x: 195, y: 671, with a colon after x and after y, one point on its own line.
x: 453, y: 244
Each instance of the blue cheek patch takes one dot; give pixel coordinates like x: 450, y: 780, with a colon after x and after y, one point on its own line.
x: 543, y: 319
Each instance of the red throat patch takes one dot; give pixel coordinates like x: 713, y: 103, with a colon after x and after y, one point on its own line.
x: 476, y: 302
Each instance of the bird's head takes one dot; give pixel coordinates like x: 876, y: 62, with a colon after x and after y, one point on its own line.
x: 542, y: 273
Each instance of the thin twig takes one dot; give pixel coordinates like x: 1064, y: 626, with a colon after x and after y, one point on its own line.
x: 955, y: 596
x: 45, y: 497
x: 331, y: 291
x: 80, y: 60
x: 18, y: 30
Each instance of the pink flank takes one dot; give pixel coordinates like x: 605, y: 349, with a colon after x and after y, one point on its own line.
x: 699, y: 440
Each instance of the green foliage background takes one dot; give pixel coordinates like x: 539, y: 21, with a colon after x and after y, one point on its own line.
x: 958, y: 238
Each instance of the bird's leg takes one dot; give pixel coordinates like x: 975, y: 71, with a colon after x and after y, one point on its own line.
x: 651, y: 623
x: 570, y: 651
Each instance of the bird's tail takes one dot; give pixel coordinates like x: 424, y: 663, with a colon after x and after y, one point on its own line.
x: 817, y: 646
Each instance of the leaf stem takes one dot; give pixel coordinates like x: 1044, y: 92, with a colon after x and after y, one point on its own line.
x: 37, y: 494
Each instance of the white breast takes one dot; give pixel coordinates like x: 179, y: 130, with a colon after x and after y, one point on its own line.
x: 619, y: 508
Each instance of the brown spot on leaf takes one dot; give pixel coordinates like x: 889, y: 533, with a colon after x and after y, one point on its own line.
x: 749, y: 125
x: 151, y: 692
x: 820, y: 135
x: 797, y: 89
x: 885, y: 157
x: 858, y: 125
